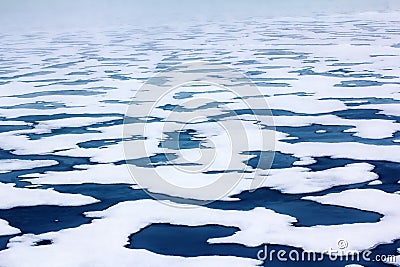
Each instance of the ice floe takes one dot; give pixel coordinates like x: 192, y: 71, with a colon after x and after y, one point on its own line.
x: 6, y: 229
x: 19, y: 197
x: 8, y: 165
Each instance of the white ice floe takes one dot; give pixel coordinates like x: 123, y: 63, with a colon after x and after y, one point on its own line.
x: 19, y: 197
x: 304, y: 161
x: 8, y: 165
x: 21, y: 144
x: 364, y: 235
x: 47, y: 126
x: 299, y: 180
x: 6, y: 229
x: 348, y: 150
x: 375, y: 182
x: 99, y: 174
x: 386, y: 109
x: 360, y: 236
x: 370, y: 128
x: 14, y: 123
x: 304, y: 104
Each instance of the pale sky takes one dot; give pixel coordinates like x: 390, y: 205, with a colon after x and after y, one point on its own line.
x: 17, y: 15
